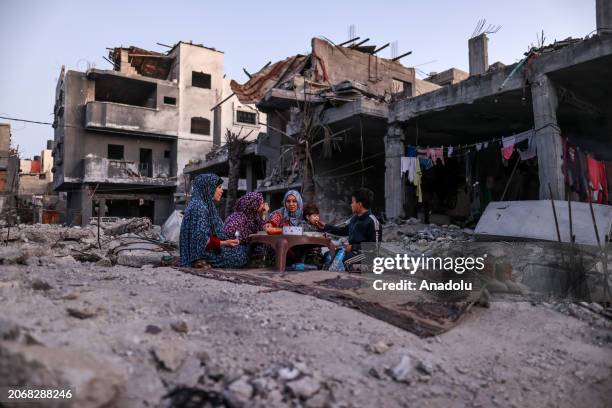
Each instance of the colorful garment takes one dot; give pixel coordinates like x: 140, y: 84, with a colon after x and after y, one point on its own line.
x: 283, y: 218
x: 246, y: 218
x: 597, y: 180
x: 201, y: 223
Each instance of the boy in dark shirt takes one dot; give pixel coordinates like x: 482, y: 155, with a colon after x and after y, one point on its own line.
x: 362, y: 227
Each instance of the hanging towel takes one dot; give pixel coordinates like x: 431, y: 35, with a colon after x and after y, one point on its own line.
x: 404, y: 163
x: 597, y: 180
x: 436, y: 153
x: 450, y: 151
x: 507, y: 152
x: 486, y: 144
x: 417, y: 181
x: 508, y: 141
x: 425, y: 163
x: 478, y: 146
x: 530, y: 152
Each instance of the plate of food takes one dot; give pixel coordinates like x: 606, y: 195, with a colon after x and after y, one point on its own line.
x: 274, y: 231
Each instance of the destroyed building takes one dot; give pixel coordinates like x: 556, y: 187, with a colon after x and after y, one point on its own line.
x: 123, y: 135
x: 533, y: 130
x: 525, y: 131
x: 9, y: 171
x: 332, y: 106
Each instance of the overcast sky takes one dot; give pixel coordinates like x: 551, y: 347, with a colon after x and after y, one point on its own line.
x: 37, y: 37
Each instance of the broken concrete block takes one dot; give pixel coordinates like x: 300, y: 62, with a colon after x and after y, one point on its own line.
x: 169, y: 355
x: 304, y: 388
x: 94, y: 383
x: 11, y: 255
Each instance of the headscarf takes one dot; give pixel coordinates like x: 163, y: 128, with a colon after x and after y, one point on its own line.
x: 292, y: 218
x: 201, y: 219
x: 245, y: 218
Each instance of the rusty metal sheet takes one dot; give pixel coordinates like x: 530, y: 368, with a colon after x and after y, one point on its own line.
x: 261, y: 82
x: 351, y: 290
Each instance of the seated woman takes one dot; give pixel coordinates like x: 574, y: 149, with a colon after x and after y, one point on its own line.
x: 290, y: 214
x: 203, y: 241
x: 247, y: 218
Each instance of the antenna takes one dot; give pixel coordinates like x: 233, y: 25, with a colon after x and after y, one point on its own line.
x: 393, y: 49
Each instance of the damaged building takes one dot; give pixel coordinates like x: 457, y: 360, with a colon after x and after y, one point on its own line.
x: 329, y: 109
x: 123, y: 135
x: 537, y: 129
x: 9, y: 171
x: 341, y: 117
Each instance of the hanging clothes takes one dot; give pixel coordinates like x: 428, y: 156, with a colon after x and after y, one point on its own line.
x: 574, y: 169
x: 436, y: 153
x: 450, y: 151
x: 478, y: 146
x: 425, y: 163
x: 411, y: 151
x: 530, y: 152
x: 417, y: 181
x: 597, y: 180
x: 507, y: 152
x: 408, y: 165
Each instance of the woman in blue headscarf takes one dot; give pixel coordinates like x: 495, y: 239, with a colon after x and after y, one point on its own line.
x: 203, y: 241
x: 291, y: 213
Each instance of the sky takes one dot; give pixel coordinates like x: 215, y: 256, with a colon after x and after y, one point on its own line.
x: 37, y: 37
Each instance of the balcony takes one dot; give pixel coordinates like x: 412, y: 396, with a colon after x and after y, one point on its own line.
x: 117, y: 117
x: 101, y: 170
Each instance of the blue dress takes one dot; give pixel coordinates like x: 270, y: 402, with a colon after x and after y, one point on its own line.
x: 200, y: 221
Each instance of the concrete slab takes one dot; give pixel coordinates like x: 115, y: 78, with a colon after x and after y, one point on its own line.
x: 534, y: 220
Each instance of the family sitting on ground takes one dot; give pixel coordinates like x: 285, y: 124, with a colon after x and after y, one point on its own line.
x: 206, y: 241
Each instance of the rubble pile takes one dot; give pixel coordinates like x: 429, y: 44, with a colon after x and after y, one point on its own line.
x: 131, y: 242
x: 416, y: 236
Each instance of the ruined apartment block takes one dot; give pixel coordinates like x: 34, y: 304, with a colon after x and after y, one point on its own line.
x: 348, y: 89
x: 123, y: 135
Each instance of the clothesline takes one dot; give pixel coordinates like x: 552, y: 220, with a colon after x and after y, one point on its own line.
x: 464, y: 149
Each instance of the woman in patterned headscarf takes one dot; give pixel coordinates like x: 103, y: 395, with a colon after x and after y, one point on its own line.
x: 247, y: 217
x: 203, y: 241
x: 291, y: 214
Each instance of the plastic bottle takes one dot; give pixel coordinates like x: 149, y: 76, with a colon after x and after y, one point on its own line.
x: 337, y: 264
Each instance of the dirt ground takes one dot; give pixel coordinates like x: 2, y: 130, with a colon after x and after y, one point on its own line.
x: 158, y: 331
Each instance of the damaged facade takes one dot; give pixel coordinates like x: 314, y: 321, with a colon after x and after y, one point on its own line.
x: 36, y: 200
x: 498, y: 133
x: 123, y: 136
x: 9, y: 171
x: 331, y: 107
x: 533, y: 130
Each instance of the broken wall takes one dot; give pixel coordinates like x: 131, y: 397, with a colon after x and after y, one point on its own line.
x: 336, y: 64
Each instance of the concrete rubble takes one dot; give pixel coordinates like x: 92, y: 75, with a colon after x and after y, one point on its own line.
x: 171, y: 339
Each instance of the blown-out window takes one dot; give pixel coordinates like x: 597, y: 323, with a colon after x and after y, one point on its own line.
x: 200, y: 126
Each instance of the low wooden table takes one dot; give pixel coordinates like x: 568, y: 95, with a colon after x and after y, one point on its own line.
x: 282, y: 243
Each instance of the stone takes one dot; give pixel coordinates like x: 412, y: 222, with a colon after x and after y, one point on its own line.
x: 180, y: 326
x: 169, y: 355
x: 9, y: 330
x: 9, y: 256
x: 379, y: 347
x: 240, y: 390
x: 288, y: 373
x: 39, y: 284
x: 136, y: 258
x: 496, y: 286
x: 152, y: 329
x: 104, y: 262
x: 321, y: 399
x: 304, y: 388
x: 81, y: 313
x: 94, y: 382
x: 405, y: 370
